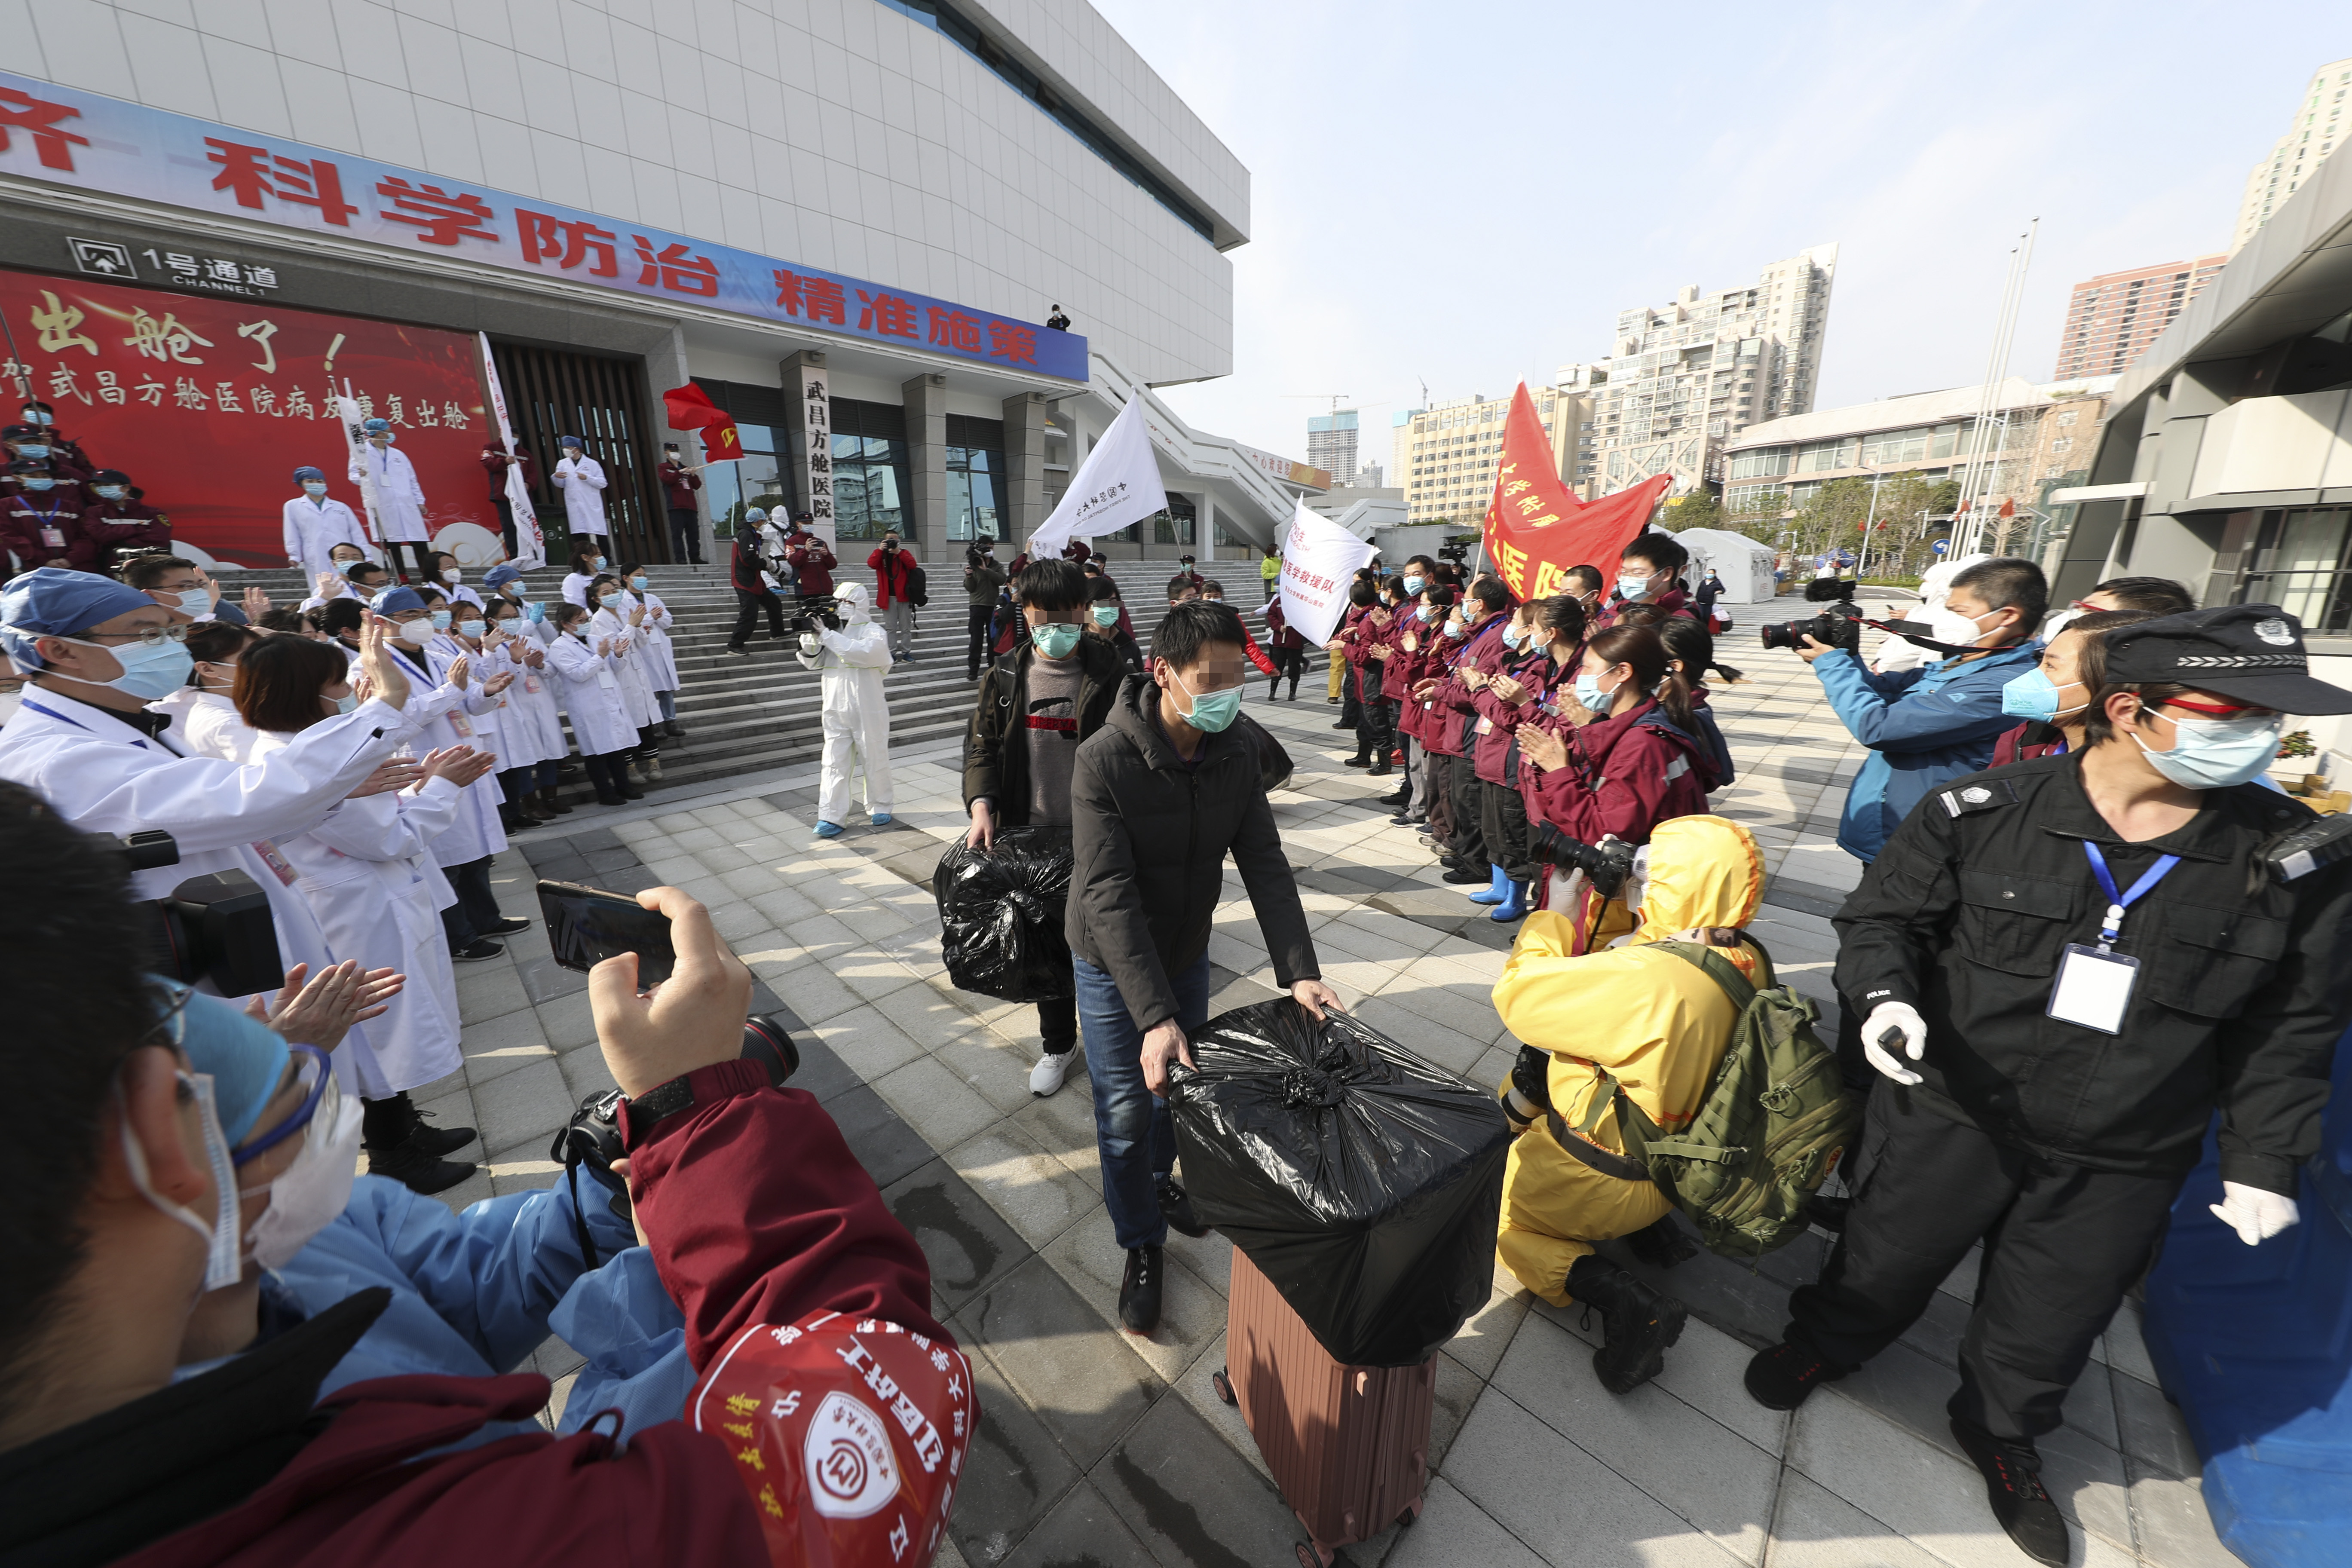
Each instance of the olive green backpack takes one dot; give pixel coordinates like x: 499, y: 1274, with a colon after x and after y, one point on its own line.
x: 1772, y: 1124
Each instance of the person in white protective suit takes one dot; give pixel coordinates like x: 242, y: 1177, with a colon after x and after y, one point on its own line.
x: 851, y: 663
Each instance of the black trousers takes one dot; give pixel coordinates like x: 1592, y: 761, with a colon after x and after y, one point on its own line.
x: 685, y: 535
x: 506, y: 523
x: 1290, y: 661
x: 747, y: 615
x: 1438, y: 804
x: 1503, y: 823
x: 1352, y: 700
x: 476, y: 911
x: 976, y: 619
x: 392, y: 550
x: 1466, y: 808
x: 1057, y: 1025
x: 2061, y: 1245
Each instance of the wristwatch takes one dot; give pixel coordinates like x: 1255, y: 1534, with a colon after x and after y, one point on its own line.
x: 656, y: 1105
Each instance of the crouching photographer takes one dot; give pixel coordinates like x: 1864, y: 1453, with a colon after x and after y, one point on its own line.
x: 832, y: 1414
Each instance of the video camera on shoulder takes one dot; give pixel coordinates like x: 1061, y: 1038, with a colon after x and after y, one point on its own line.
x: 1457, y: 550
x: 1840, y: 625
x: 817, y: 612
x: 217, y: 927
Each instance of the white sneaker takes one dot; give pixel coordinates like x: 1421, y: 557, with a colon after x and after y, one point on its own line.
x: 1047, y: 1075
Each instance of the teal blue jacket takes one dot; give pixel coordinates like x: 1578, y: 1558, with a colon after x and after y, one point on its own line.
x: 1925, y: 727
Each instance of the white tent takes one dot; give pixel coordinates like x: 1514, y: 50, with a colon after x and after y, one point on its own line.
x: 1745, y: 565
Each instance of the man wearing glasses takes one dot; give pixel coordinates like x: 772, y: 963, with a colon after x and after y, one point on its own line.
x: 83, y: 736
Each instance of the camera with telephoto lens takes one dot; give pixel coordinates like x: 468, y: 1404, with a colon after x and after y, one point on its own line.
x: 217, y: 927
x: 817, y: 612
x: 1605, y: 864
x: 1840, y: 625
x: 1457, y: 550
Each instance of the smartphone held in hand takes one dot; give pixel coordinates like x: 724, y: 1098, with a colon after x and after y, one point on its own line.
x: 586, y: 926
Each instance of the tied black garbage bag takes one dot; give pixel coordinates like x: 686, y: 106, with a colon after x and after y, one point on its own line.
x: 1001, y: 915
x: 1361, y: 1180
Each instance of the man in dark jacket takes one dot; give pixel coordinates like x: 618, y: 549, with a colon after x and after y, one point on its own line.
x: 1039, y: 704
x: 746, y: 573
x: 679, y: 483
x: 2070, y: 964
x: 984, y: 583
x: 1159, y: 796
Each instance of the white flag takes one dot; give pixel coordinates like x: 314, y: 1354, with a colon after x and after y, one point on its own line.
x: 1118, y: 484
x: 1318, y: 562
x: 530, y: 543
x: 346, y: 414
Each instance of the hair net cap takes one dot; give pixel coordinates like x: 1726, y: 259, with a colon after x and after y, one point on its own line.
x: 244, y: 1056
x: 500, y: 576
x: 376, y: 427
x: 57, y: 600
x: 572, y: 441
x: 396, y: 600
x: 308, y: 472
x: 755, y: 514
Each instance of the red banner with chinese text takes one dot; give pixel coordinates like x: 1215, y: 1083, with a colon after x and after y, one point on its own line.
x: 211, y: 404
x: 1537, y: 528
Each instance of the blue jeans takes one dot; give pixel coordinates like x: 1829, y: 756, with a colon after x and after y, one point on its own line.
x: 1133, y: 1133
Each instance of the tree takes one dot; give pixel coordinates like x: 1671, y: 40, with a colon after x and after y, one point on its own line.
x: 1698, y: 509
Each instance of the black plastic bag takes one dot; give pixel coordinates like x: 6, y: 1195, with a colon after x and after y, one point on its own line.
x: 1001, y: 915
x: 1361, y: 1180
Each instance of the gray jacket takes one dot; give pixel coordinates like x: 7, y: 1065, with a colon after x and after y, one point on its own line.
x: 1150, y: 836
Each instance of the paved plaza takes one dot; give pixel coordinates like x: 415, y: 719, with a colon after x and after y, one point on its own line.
x: 1100, y: 1449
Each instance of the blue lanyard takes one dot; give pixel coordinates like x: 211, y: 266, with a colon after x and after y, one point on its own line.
x: 2111, y: 922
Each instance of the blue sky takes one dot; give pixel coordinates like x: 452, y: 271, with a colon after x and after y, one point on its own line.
x: 1467, y: 194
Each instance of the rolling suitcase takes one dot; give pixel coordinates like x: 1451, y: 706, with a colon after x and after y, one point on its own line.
x: 1348, y: 1446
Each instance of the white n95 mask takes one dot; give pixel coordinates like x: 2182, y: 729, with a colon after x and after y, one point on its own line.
x: 307, y: 1194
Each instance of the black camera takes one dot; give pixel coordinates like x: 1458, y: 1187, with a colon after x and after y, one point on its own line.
x: 1840, y: 625
x: 817, y: 612
x: 1457, y: 550
x: 215, y: 927
x: 1605, y: 864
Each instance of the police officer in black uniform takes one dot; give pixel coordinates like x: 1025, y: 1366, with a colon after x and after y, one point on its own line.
x: 2070, y: 964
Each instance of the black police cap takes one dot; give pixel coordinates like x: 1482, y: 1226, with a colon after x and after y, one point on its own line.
x: 2252, y: 653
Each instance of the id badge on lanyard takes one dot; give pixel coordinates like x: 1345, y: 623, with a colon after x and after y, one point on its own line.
x: 2094, y: 983
x: 275, y: 859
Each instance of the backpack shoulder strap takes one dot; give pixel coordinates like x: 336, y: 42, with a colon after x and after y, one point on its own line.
x: 1719, y: 969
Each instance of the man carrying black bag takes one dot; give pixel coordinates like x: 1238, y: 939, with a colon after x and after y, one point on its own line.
x: 1051, y: 691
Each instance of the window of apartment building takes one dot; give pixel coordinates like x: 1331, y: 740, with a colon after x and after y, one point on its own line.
x: 870, y: 479
x: 2298, y: 564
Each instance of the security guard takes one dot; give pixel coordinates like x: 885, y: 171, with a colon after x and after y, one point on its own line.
x: 2070, y: 964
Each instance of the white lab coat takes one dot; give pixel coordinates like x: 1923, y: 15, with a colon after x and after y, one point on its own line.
x: 313, y: 529
x: 206, y: 724
x: 444, y: 716
x: 591, y: 695
x: 367, y: 872
x: 318, y: 601
x: 488, y: 723
x: 399, y: 499
x: 530, y: 726
x: 630, y: 665
x: 106, y: 776
x: 576, y: 589
x: 856, y: 716
x: 581, y: 480
x: 661, y: 657
x: 457, y: 594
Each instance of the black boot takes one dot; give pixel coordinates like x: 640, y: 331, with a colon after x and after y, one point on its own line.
x: 400, y: 1146
x: 1139, y: 1291
x: 1637, y: 1322
x: 1661, y: 1244
x: 2012, y: 1473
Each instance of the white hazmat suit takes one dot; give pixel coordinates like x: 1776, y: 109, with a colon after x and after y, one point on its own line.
x: 850, y: 663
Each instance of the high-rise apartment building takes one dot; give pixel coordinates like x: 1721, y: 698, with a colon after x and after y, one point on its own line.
x: 2316, y: 130
x: 2115, y: 315
x: 1684, y: 377
x: 1331, y: 444
x: 1445, y: 456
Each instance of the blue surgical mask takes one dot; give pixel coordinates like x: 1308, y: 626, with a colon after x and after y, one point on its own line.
x: 1634, y: 587
x: 1421, y: 615
x: 36, y: 481
x: 1106, y: 615
x: 441, y: 619
x: 150, y: 673
x: 1586, y: 687
x: 536, y: 610
x: 1056, y: 639
x: 109, y: 493
x: 347, y: 701
x: 1414, y: 584
x: 2216, y: 753
x: 1517, y: 636
x: 1211, y: 711
x: 2034, y: 695
x: 314, y: 487
x: 637, y: 582
x: 348, y: 567
x: 35, y: 416
x: 33, y: 449
x: 600, y: 564
x: 1455, y: 629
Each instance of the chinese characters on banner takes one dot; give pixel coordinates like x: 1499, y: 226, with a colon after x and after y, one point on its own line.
x: 211, y: 404
x: 82, y: 139
x: 1536, y: 526
x: 816, y: 454
x: 1118, y: 483
x: 1319, y: 560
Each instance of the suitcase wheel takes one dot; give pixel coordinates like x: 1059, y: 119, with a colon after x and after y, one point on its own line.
x: 1223, y: 1385
x: 1312, y: 1556
x: 1411, y: 1514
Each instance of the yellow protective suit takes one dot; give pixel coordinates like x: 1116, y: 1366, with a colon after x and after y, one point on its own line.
x: 1654, y: 1020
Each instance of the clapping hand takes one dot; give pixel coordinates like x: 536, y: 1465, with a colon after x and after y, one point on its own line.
x: 385, y: 676
x: 1542, y: 748
x: 257, y: 604
x: 391, y: 773
x: 498, y: 683
x: 1509, y: 688
x: 461, y: 765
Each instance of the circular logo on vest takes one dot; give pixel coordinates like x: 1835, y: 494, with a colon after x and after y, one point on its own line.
x: 846, y: 1453
x: 2276, y: 632
x: 1976, y: 794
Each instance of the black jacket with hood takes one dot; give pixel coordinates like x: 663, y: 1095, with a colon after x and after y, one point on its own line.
x: 996, y: 747
x: 1150, y: 836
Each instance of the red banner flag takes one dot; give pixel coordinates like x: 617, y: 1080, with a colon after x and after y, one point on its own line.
x: 690, y: 408
x: 1537, y: 528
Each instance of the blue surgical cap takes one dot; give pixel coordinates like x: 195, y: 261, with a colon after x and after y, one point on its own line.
x: 376, y: 427
x: 244, y: 1056
x: 572, y: 441
x: 396, y: 601
x: 755, y: 514
x: 57, y: 600
x: 307, y: 472
x: 504, y: 572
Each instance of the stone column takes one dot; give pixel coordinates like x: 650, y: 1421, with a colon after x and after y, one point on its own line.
x: 795, y: 459
x: 1204, y: 526
x: 927, y: 468
x: 1024, y: 457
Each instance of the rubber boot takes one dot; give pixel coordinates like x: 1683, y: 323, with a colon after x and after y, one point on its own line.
x: 1514, y: 906
x: 1496, y: 890
x: 1637, y: 1322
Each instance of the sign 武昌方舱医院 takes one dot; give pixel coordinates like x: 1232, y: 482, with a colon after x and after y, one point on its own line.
x: 86, y: 141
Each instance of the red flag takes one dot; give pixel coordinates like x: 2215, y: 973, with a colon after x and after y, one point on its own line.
x: 690, y: 408
x: 1537, y: 528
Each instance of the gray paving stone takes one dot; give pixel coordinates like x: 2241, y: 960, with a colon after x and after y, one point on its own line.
x: 543, y: 980
x: 530, y: 1102
x: 1191, y: 1499
x: 1480, y: 1344
x: 1815, y: 1528
x: 1050, y: 1346
x: 486, y: 991
x: 1082, y: 1531
x: 1455, y: 1532
x: 1191, y: 1314
x: 2151, y: 1427
x: 940, y: 1105
x: 500, y: 1046
x: 584, y: 1072
x: 1039, y: 1196
x: 568, y: 1021
x: 2175, y: 1530
x: 968, y: 1247
x: 888, y: 1148
x: 1014, y: 1472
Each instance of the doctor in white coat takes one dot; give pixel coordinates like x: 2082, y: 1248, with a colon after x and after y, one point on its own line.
x: 399, y: 499
x: 84, y: 740
x: 620, y: 619
x: 580, y: 478
x: 850, y: 663
x: 661, y: 656
x: 316, y: 522
x: 368, y: 872
x: 591, y: 695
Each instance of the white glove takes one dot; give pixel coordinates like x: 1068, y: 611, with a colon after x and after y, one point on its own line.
x: 2256, y: 1213
x: 1901, y: 1016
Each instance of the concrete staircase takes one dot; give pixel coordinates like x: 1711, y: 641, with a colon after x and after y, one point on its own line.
x: 742, y: 715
